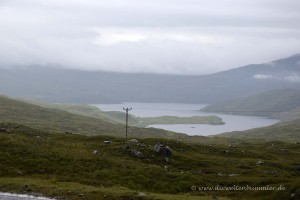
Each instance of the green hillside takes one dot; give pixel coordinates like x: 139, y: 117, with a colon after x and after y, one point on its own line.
x: 119, y: 117
x: 267, y: 104
x: 287, y: 131
x: 214, y: 120
x: 75, y: 167
x: 56, y: 120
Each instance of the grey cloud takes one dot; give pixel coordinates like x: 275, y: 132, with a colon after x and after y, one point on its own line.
x: 169, y: 36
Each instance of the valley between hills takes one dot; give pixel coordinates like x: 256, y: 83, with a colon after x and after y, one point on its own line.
x: 50, y: 151
x: 54, y: 144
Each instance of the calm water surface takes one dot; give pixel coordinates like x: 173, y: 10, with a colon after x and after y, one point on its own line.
x: 232, y: 122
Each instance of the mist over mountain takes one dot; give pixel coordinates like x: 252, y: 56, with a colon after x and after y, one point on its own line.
x: 57, y: 84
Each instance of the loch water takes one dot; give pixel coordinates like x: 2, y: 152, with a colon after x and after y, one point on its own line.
x: 232, y: 122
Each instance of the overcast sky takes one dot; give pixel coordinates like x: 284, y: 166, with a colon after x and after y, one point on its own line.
x: 157, y: 36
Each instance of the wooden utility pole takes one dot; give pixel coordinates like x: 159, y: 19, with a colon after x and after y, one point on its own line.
x: 127, y: 109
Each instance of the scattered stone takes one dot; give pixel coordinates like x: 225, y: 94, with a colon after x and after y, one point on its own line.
x: 96, y: 152
x: 166, y: 168
x: 231, y: 146
x: 38, y: 137
x: 27, y: 188
x: 220, y: 174
x: 293, y: 195
x: 168, y: 151
x: 141, y: 145
x: 226, y: 151
x: 142, y: 194
x: 133, y: 141
x: 214, y: 198
x: 107, y: 142
x: 260, y: 162
x: 20, y: 173
x: 160, y: 149
x: 233, y: 175
x: 81, y: 195
x: 157, y: 147
x: 168, y: 160
x: 137, y: 153
x: 274, y: 172
x: 127, y: 146
x: 3, y: 130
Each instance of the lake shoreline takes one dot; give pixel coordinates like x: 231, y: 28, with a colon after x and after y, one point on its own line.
x: 232, y: 122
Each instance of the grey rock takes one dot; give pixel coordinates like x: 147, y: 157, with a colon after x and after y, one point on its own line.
x: 157, y: 147
x: 96, y: 152
x: 260, y: 162
x: 3, y: 130
x: 168, y: 151
x: 160, y: 149
x: 107, y: 142
x: 220, y: 174
x: 166, y: 168
x: 233, y: 175
x: 133, y: 141
x: 214, y: 198
x: 127, y: 146
x: 293, y: 195
x: 20, y: 173
x: 142, y: 194
x: 141, y: 145
x: 27, y: 188
x: 137, y: 153
x: 226, y: 151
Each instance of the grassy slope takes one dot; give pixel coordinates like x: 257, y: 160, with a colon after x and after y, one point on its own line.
x: 268, y: 104
x: 119, y: 117
x: 61, y: 121
x: 60, y: 165
x: 182, y: 120
x: 287, y: 131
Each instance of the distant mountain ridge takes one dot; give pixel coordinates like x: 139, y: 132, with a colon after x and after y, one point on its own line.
x: 282, y: 104
x: 56, y: 84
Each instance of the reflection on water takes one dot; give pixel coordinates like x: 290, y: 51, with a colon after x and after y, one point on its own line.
x: 232, y: 122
